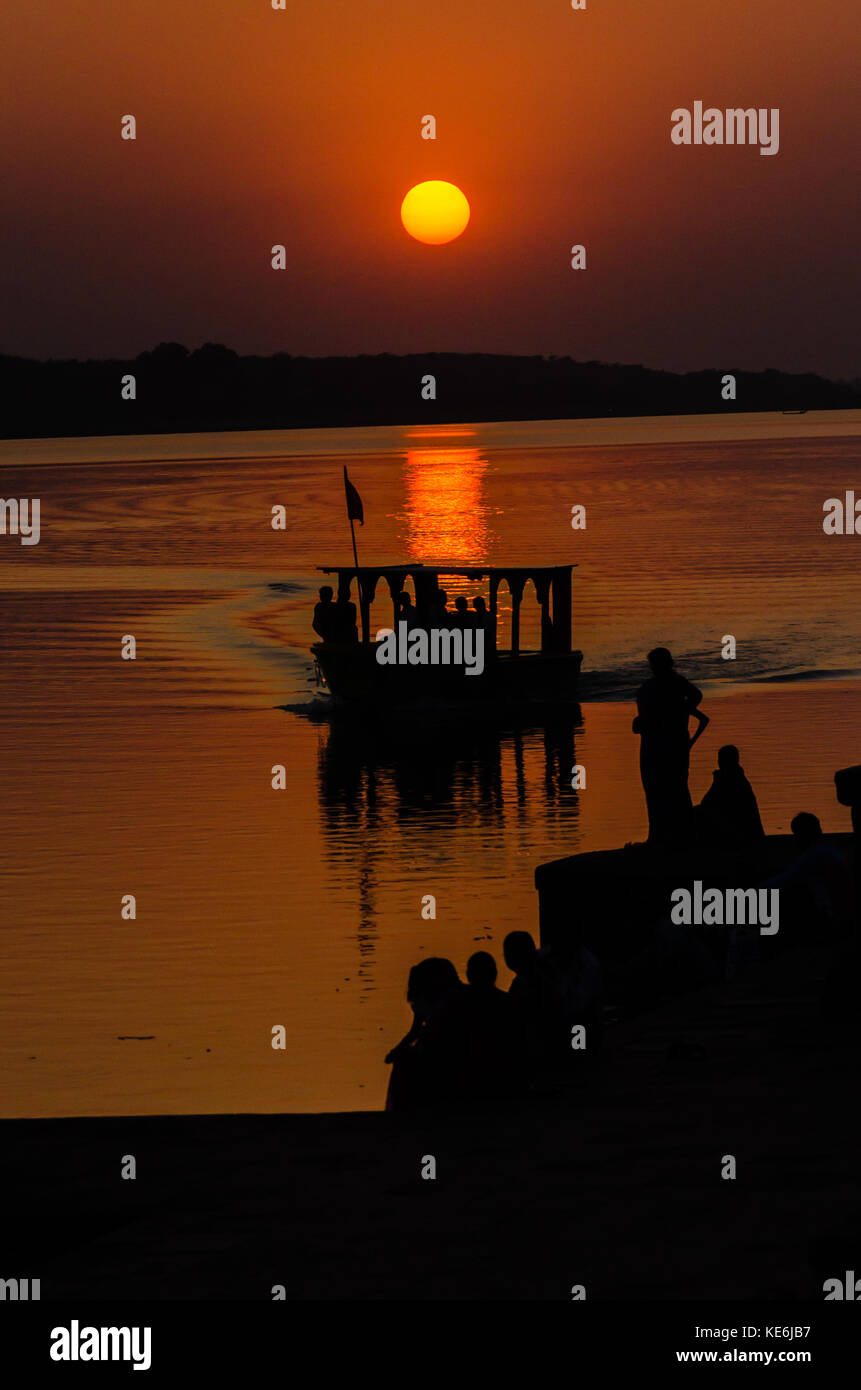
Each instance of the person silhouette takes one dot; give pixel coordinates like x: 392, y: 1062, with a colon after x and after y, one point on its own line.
x: 481, y: 973
x: 427, y: 1062
x: 347, y: 630
x: 463, y: 617
x: 728, y: 814
x: 538, y: 1002
x: 493, y: 1062
x: 815, y: 888
x: 325, y: 621
x: 484, y: 621
x: 665, y: 704
x: 439, y: 615
x: 407, y: 612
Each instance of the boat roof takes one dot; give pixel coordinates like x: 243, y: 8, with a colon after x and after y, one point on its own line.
x: 453, y: 567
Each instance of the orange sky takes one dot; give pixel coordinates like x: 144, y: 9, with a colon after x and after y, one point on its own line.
x: 302, y: 127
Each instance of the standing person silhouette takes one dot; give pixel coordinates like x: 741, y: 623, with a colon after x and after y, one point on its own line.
x: 665, y: 704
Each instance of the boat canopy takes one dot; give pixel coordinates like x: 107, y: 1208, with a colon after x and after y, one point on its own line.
x: 552, y: 589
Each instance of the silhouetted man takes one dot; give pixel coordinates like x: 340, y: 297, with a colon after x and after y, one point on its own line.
x: 427, y: 1064
x: 481, y: 974
x: 665, y: 704
x: 325, y: 622
x: 464, y: 618
x: 494, y: 1064
x: 537, y: 1000
x: 406, y: 612
x: 346, y: 630
x: 815, y: 890
x: 728, y: 813
x: 484, y: 620
x: 439, y: 616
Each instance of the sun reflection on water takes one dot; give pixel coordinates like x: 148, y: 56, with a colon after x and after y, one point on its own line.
x: 447, y: 516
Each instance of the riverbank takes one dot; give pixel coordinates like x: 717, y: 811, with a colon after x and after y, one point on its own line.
x: 616, y: 1186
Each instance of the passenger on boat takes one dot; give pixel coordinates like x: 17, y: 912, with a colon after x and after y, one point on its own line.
x: 728, y: 814
x: 665, y: 704
x: 346, y: 630
x: 485, y: 621
x: 438, y: 614
x: 334, y: 621
x: 462, y: 616
x: 325, y: 622
x: 407, y: 612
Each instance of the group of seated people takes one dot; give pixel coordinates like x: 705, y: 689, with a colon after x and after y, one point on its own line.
x: 815, y: 883
x: 437, y: 614
x: 474, y: 1041
x: 335, y: 620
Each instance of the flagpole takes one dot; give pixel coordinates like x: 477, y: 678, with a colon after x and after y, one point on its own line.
x: 355, y: 560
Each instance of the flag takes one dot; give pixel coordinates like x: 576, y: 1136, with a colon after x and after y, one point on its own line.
x: 355, y: 510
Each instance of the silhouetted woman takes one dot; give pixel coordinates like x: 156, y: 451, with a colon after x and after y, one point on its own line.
x: 665, y: 704
x: 427, y: 1062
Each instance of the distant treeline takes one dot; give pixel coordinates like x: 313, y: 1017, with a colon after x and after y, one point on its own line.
x: 213, y: 388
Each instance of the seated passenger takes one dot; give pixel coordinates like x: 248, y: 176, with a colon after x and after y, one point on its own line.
x: 325, y: 622
x: 406, y: 612
x: 484, y: 620
x: 346, y: 630
x: 463, y: 618
x: 438, y: 614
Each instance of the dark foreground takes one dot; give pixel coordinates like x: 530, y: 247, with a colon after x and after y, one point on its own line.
x: 616, y: 1185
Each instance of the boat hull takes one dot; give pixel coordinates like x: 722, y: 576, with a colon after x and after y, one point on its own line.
x: 353, y: 674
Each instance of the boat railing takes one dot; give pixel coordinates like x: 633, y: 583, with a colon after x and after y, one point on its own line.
x: 553, y: 591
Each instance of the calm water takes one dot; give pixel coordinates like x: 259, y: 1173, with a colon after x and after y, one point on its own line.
x: 302, y: 908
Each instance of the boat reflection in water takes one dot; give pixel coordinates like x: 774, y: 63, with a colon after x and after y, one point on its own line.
x: 376, y: 775
x: 466, y: 805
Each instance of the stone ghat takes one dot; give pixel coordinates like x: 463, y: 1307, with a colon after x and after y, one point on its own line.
x: 615, y: 897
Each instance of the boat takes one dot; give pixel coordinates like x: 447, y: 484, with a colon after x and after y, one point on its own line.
x: 353, y: 672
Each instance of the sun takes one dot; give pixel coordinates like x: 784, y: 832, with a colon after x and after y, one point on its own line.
x: 435, y: 212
